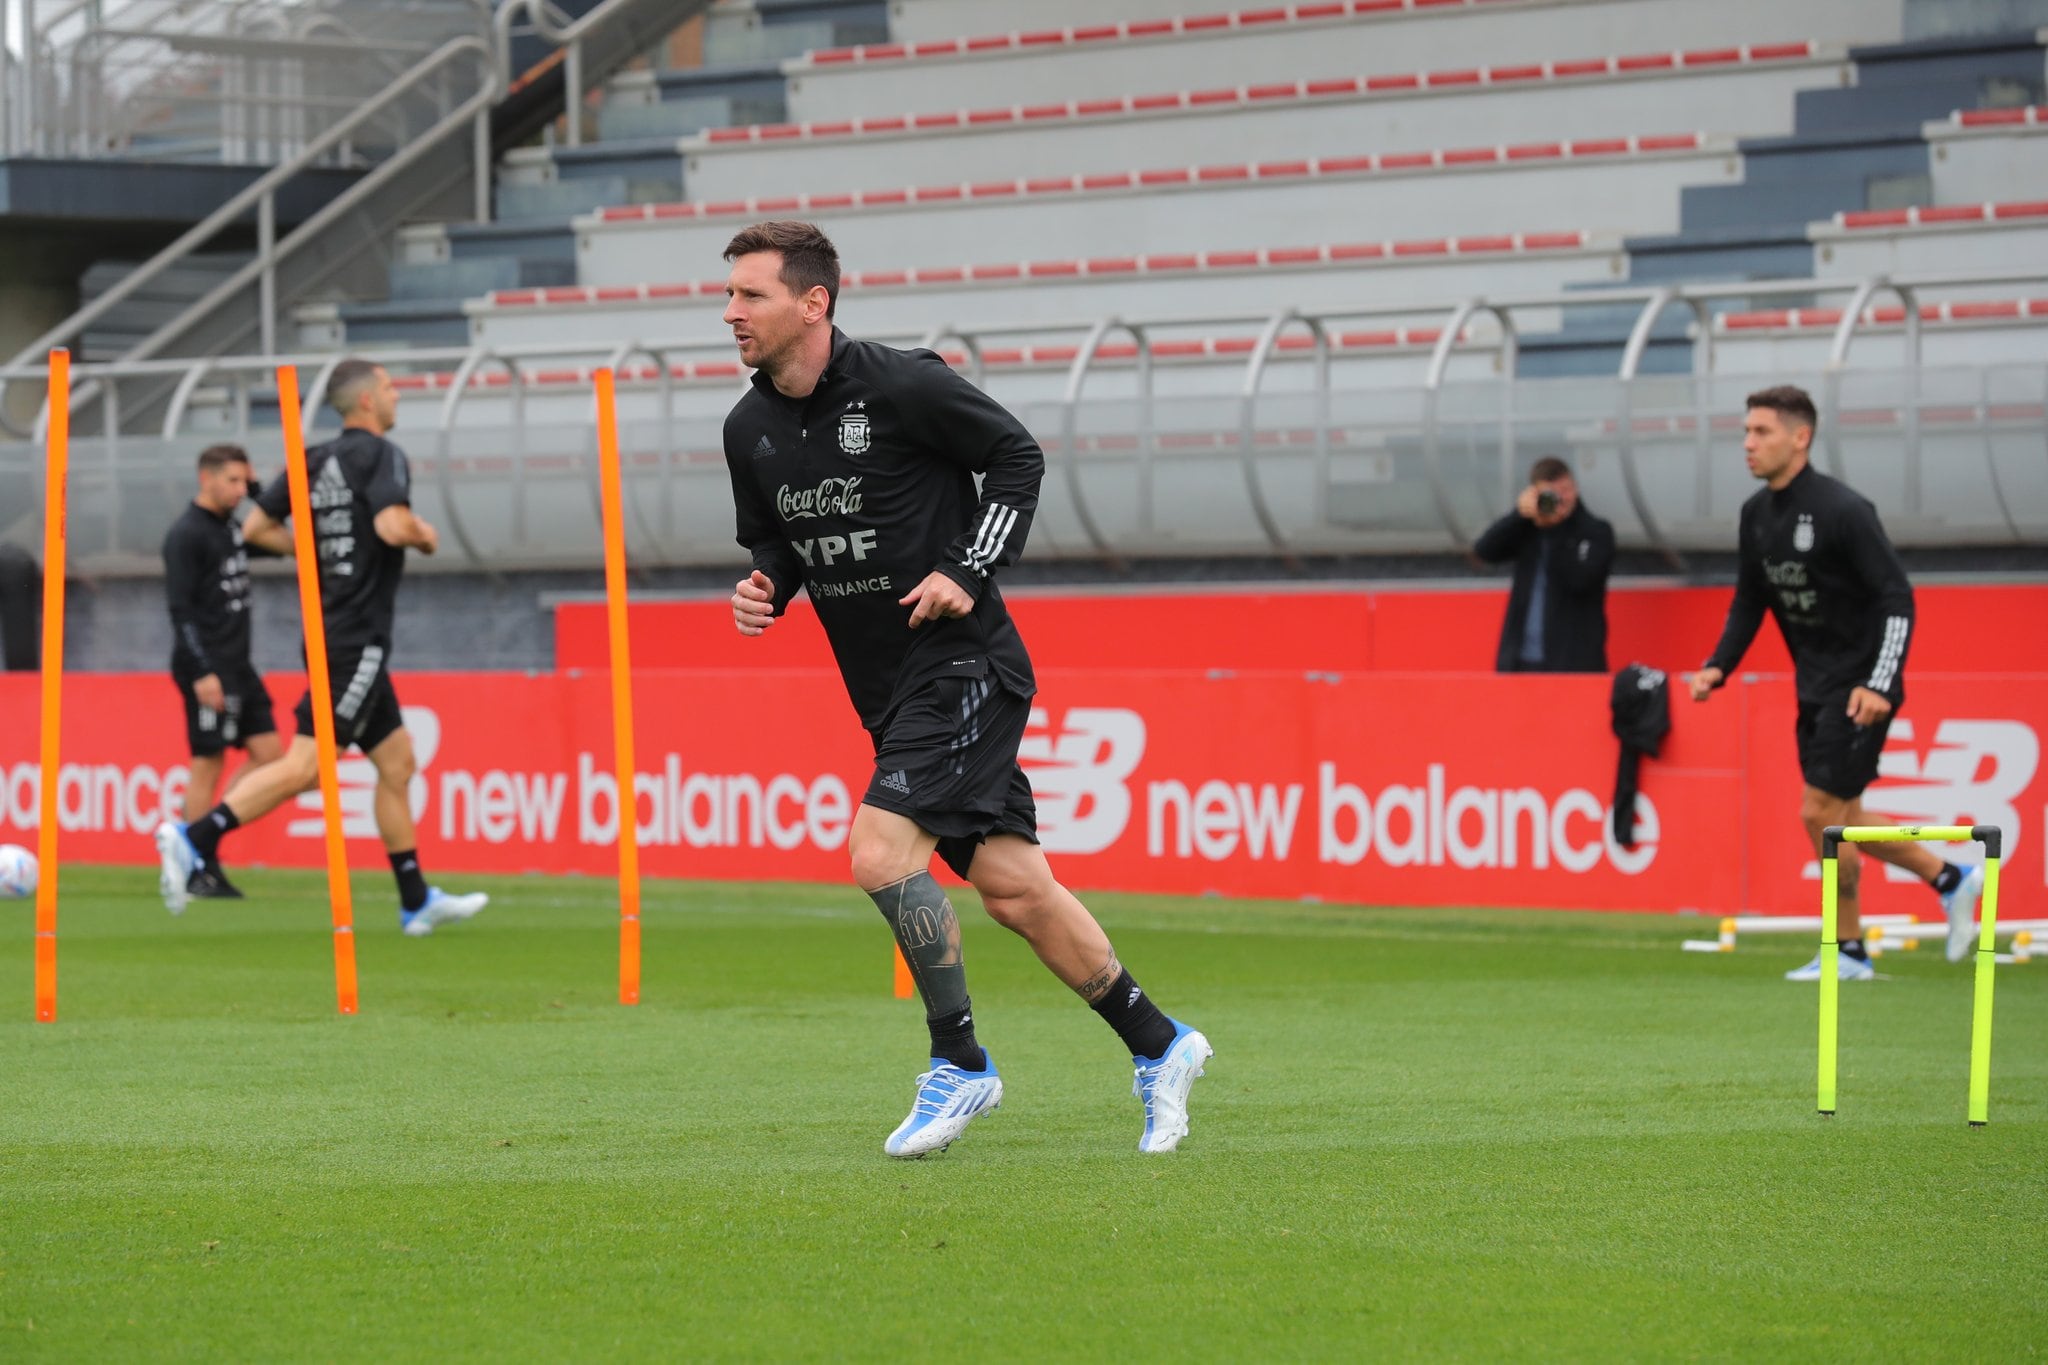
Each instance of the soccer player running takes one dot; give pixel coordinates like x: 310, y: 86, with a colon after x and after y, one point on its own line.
x: 361, y: 490
x: 206, y: 585
x: 853, y: 471
x: 1813, y: 553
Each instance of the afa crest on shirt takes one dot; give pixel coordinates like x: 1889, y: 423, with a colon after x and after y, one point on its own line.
x: 853, y: 433
x: 1802, y: 535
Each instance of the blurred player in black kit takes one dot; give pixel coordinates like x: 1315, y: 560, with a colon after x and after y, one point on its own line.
x: 360, y: 488
x: 853, y: 471
x: 206, y: 586
x: 1813, y: 554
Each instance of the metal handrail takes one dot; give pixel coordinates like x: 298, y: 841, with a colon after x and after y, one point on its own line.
x: 1432, y: 387
x: 1838, y: 356
x: 569, y: 38
x: 1248, y: 402
x: 262, y: 191
x: 1071, y: 425
x: 1631, y: 361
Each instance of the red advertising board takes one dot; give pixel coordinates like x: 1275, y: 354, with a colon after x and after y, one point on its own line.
x: 1960, y: 629
x: 1391, y: 788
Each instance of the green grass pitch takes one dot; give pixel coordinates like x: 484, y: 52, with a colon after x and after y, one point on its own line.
x: 1440, y: 1135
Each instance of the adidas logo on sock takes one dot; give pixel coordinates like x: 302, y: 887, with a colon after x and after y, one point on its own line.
x: 896, y: 782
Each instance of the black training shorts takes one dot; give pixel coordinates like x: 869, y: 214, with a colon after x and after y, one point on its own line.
x: 366, y: 711
x: 245, y: 712
x: 947, y: 758
x: 1835, y: 754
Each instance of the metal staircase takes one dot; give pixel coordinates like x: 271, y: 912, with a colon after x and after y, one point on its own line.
x: 422, y: 128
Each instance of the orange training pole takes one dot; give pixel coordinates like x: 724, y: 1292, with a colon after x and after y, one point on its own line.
x: 58, y: 455
x: 323, y: 692
x: 622, y: 687
x: 906, y: 986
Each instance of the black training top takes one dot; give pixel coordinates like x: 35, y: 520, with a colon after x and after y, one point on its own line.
x: 206, y: 582
x: 860, y: 490
x: 1814, y: 553
x: 351, y: 479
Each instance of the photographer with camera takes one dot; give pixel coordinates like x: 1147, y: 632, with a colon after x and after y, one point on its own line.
x: 1557, y: 608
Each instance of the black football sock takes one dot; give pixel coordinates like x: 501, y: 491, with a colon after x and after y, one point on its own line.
x: 1854, y: 948
x: 205, y: 832
x: 1948, y: 879
x: 1126, y: 1008
x: 412, y: 883
x: 928, y: 932
x: 953, y: 1039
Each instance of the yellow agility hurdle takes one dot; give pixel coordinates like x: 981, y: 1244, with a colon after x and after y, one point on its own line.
x: 1832, y: 838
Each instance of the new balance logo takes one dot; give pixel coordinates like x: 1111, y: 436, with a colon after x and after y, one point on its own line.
x: 763, y: 448
x: 896, y: 782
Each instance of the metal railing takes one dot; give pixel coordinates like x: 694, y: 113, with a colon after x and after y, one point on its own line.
x: 238, y: 82
x: 1148, y: 456
x: 261, y: 196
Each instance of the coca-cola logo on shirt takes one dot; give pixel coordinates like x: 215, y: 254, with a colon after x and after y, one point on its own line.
x: 831, y: 498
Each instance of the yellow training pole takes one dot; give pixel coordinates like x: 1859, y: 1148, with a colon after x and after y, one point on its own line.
x: 57, y: 455
x: 1830, y: 984
x: 1987, y: 962
x: 622, y: 686
x: 314, y: 619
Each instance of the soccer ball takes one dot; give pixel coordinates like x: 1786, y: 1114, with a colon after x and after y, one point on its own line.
x: 17, y: 872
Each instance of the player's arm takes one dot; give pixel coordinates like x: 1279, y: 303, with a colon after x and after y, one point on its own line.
x: 388, y: 491
x: 266, y: 532
x: 185, y: 571
x: 1745, y: 617
x: 398, y: 525
x: 264, y: 526
x: 1582, y: 568
x: 1884, y: 582
x: 776, y: 574
x: 960, y: 423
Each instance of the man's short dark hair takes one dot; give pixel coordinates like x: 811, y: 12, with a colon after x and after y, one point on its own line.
x: 345, y: 385
x: 1789, y: 401
x: 809, y: 260
x: 220, y: 457
x: 1549, y: 469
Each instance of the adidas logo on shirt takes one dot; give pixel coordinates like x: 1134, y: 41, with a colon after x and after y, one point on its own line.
x: 896, y: 782
x: 763, y: 448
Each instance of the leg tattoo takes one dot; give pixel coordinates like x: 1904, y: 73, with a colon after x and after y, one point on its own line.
x: 929, y: 933
x: 1097, y: 986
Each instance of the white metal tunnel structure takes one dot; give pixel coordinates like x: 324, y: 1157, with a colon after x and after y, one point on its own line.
x: 1296, y: 436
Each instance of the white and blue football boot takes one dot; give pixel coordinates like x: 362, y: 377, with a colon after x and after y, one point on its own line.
x: 1847, y: 968
x: 179, y: 860
x: 1163, y: 1086
x: 947, y: 1100
x: 1960, y: 906
x: 441, y: 908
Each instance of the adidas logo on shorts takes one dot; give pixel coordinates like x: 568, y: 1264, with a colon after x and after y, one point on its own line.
x: 896, y: 782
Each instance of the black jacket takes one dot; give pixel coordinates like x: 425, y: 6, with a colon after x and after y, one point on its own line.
x: 1578, y: 552
x: 1815, y: 556
x: 858, y: 491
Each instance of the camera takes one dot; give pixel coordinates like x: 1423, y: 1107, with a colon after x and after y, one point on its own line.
x: 1546, y: 501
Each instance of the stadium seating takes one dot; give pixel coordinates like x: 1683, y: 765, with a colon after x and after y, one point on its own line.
x: 1018, y: 186
x: 1254, y: 46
